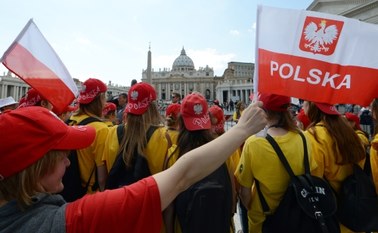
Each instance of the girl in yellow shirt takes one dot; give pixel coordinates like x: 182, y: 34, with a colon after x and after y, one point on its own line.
x: 336, y: 147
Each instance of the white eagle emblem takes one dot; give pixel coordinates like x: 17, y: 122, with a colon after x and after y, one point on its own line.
x: 134, y: 95
x: 318, y: 38
x: 83, y: 88
x: 197, y: 109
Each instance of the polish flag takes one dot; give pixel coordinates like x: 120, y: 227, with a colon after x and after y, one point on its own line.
x: 32, y: 58
x: 315, y: 56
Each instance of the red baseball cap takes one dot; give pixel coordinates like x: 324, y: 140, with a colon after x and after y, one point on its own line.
x: 327, y: 108
x: 27, y: 134
x: 353, y: 117
x: 139, y: 98
x: 31, y: 98
x: 194, y: 111
x: 277, y: 103
x: 173, y: 110
x: 217, y: 112
x: 109, y: 106
x: 90, y: 89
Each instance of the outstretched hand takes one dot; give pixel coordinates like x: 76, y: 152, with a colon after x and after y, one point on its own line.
x: 253, y: 119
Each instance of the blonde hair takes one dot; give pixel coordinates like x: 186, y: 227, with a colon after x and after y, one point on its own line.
x: 25, y: 184
x: 95, y: 107
x: 135, y: 132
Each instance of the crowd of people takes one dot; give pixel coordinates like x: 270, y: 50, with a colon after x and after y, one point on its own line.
x: 166, y: 160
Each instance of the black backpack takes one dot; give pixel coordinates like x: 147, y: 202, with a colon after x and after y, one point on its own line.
x: 119, y: 175
x: 73, y: 189
x: 308, y: 205
x: 206, y: 205
x: 358, y: 201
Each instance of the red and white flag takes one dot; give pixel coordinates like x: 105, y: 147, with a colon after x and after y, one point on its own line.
x: 33, y: 59
x: 316, y: 56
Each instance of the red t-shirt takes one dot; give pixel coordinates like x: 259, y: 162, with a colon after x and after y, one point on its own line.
x: 135, y: 208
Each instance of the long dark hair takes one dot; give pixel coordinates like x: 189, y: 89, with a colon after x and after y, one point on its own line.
x: 285, y: 120
x: 189, y: 140
x: 345, y: 139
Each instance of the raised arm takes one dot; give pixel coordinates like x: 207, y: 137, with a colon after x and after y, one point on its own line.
x: 201, y: 161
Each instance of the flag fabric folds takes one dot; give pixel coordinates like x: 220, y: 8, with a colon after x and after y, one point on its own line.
x: 316, y: 56
x: 33, y: 59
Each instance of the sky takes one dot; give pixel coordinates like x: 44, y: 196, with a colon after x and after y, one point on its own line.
x: 109, y: 40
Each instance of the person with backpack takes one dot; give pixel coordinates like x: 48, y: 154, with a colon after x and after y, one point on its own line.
x: 143, y: 131
x: 137, y: 148
x: 92, y: 99
x: 33, y: 159
x: 335, y: 145
x: 259, y: 161
x: 374, y: 145
x: 206, y: 206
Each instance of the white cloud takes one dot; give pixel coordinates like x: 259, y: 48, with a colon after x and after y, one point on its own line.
x: 253, y: 27
x: 83, y: 41
x: 234, y: 32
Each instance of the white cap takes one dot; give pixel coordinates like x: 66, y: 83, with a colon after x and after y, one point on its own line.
x: 7, y: 101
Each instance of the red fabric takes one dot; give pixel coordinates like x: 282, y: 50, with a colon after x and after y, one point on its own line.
x: 91, y: 88
x: 194, y: 111
x: 27, y: 134
x: 314, y: 80
x: 139, y: 98
x: 135, y: 209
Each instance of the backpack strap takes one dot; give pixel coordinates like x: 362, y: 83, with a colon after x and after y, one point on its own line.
x: 121, y: 132
x: 89, y: 120
x: 263, y: 202
x: 285, y: 163
x: 86, y: 121
x: 167, y: 157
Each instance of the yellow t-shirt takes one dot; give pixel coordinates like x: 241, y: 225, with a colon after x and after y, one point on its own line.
x: 92, y: 155
x: 154, y: 152
x: 363, y: 138
x: 374, y: 160
x: 260, y: 161
x: 324, y: 154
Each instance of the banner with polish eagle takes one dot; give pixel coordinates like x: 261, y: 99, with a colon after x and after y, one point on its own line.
x: 315, y: 56
x: 32, y: 59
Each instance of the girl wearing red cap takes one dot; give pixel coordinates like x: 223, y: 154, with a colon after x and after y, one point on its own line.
x: 259, y: 161
x: 374, y: 145
x: 335, y: 145
x: 109, y: 114
x: 195, y: 131
x: 91, y: 101
x: 31, y: 174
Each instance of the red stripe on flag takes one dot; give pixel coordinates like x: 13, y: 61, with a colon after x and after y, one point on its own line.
x: 21, y: 62
x: 315, y: 80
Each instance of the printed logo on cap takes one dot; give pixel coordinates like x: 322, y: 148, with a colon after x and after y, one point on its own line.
x: 89, y: 95
x: 320, y: 35
x: 198, y: 109
x: 134, y: 95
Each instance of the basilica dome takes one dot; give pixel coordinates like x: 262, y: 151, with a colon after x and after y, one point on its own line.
x: 183, y: 62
